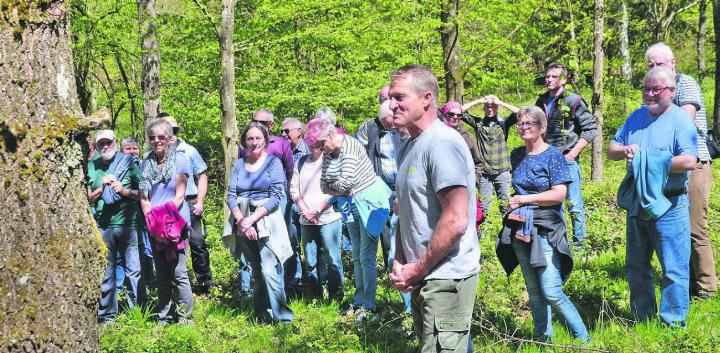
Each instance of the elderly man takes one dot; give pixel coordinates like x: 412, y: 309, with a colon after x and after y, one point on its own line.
x: 659, y: 142
x: 703, y: 280
x: 113, y: 191
x: 437, y: 253
x: 281, y: 148
x: 195, y: 193
x: 570, y: 128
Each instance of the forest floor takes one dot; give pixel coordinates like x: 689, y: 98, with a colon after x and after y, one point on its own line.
x: 223, y: 321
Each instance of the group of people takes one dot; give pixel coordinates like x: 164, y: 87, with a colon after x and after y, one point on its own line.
x: 415, y: 180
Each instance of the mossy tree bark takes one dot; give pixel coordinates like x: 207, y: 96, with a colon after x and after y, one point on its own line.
x: 150, y: 59
x: 452, y: 62
x: 50, y: 250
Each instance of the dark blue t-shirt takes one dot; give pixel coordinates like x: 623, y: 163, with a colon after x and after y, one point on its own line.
x: 533, y: 174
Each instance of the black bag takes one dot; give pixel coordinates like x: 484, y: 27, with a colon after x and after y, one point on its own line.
x: 712, y: 144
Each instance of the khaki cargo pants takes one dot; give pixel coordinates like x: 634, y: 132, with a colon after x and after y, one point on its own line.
x: 442, y: 310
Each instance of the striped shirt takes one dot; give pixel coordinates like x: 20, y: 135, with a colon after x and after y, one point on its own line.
x: 687, y: 91
x: 351, y: 170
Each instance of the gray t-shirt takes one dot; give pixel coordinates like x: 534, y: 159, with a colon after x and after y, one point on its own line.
x: 435, y: 160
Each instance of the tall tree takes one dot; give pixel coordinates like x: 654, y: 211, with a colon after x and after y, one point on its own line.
x: 597, y: 97
x: 452, y: 64
x: 716, y: 100
x: 662, y: 14
x: 625, y: 43
x: 50, y: 248
x: 573, y: 49
x: 230, y: 138
x: 150, y: 59
x: 701, y: 39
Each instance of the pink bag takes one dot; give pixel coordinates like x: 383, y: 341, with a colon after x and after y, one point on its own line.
x: 166, y: 225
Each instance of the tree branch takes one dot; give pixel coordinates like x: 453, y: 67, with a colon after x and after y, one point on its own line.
x: 208, y: 17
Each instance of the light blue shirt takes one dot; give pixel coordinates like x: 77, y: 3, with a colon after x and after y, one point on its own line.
x: 196, y: 163
x: 673, y: 131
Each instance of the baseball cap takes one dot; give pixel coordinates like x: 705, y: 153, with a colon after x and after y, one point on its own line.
x: 104, y: 134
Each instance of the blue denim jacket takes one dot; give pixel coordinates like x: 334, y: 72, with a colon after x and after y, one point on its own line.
x: 373, y: 206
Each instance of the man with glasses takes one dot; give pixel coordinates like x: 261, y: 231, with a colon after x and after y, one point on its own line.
x: 689, y: 97
x: 195, y: 192
x: 571, y: 128
x: 659, y: 143
x: 280, y: 147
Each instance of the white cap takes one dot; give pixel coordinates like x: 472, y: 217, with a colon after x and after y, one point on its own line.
x: 104, y: 134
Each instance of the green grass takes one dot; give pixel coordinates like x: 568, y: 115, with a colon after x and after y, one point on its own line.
x: 223, y: 322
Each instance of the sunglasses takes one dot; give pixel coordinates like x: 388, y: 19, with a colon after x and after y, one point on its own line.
x: 263, y: 122
x: 287, y: 131
x: 451, y: 115
x: 157, y: 137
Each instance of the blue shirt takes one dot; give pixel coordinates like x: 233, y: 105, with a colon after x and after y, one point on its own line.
x: 301, y: 150
x: 266, y: 182
x: 196, y: 163
x: 533, y: 174
x: 672, y: 131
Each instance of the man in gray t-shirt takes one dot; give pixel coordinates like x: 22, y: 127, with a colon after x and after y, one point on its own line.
x: 437, y: 252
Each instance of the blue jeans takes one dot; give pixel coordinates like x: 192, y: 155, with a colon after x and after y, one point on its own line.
x: 323, y: 241
x: 406, y: 296
x: 124, y: 241
x: 364, y: 250
x: 575, y: 201
x: 292, y: 266
x: 545, y: 291
x: 669, y: 237
x: 269, y: 301
x: 245, y: 276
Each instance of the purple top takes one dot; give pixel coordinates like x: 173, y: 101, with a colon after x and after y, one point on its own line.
x: 161, y: 193
x: 280, y: 148
x: 266, y: 182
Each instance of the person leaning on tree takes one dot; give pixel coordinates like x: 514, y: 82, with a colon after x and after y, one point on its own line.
x: 689, y: 97
x: 658, y: 141
x: 437, y: 252
x: 571, y: 128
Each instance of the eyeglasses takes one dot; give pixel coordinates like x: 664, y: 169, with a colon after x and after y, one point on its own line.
x: 654, y: 91
x: 287, y: 131
x: 318, y: 145
x: 526, y: 124
x: 652, y: 65
x: 265, y: 123
x: 157, y: 137
x: 451, y: 115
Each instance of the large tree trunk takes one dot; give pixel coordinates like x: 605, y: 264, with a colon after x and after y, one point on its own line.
x: 227, y: 87
x: 50, y: 249
x: 716, y: 100
x: 597, y: 97
x: 454, y: 74
x: 701, y: 39
x: 150, y: 59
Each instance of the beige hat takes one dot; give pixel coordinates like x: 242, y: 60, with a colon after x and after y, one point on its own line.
x: 171, y: 119
x: 104, y: 134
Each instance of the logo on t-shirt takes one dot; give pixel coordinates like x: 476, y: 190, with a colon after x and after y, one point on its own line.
x: 411, y: 171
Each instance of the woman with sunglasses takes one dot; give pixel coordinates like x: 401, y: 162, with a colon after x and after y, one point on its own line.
x: 348, y: 174
x: 164, y: 178
x: 534, y: 235
x: 451, y: 113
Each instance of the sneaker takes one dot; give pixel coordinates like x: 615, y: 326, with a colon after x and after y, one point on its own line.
x: 350, y: 310
x: 703, y: 294
x: 184, y: 321
x: 364, y: 315
x: 203, y: 288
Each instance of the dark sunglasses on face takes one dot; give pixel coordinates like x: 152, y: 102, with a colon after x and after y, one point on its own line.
x: 451, y: 115
x: 266, y: 123
x: 287, y: 131
x: 157, y: 137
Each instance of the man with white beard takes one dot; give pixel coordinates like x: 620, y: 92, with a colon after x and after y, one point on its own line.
x: 113, y: 191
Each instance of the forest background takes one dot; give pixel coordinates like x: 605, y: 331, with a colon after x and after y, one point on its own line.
x: 294, y: 57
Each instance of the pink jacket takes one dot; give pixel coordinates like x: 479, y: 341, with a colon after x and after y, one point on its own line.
x: 166, y: 225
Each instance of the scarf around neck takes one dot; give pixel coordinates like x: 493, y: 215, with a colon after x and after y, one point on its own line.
x: 150, y: 175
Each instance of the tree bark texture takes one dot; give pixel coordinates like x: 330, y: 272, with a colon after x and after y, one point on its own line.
x: 597, y: 97
x: 701, y: 39
x: 50, y: 249
x: 454, y: 73
x: 716, y: 99
x: 231, y: 134
x: 150, y: 58
x: 625, y: 44
x: 573, y: 48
